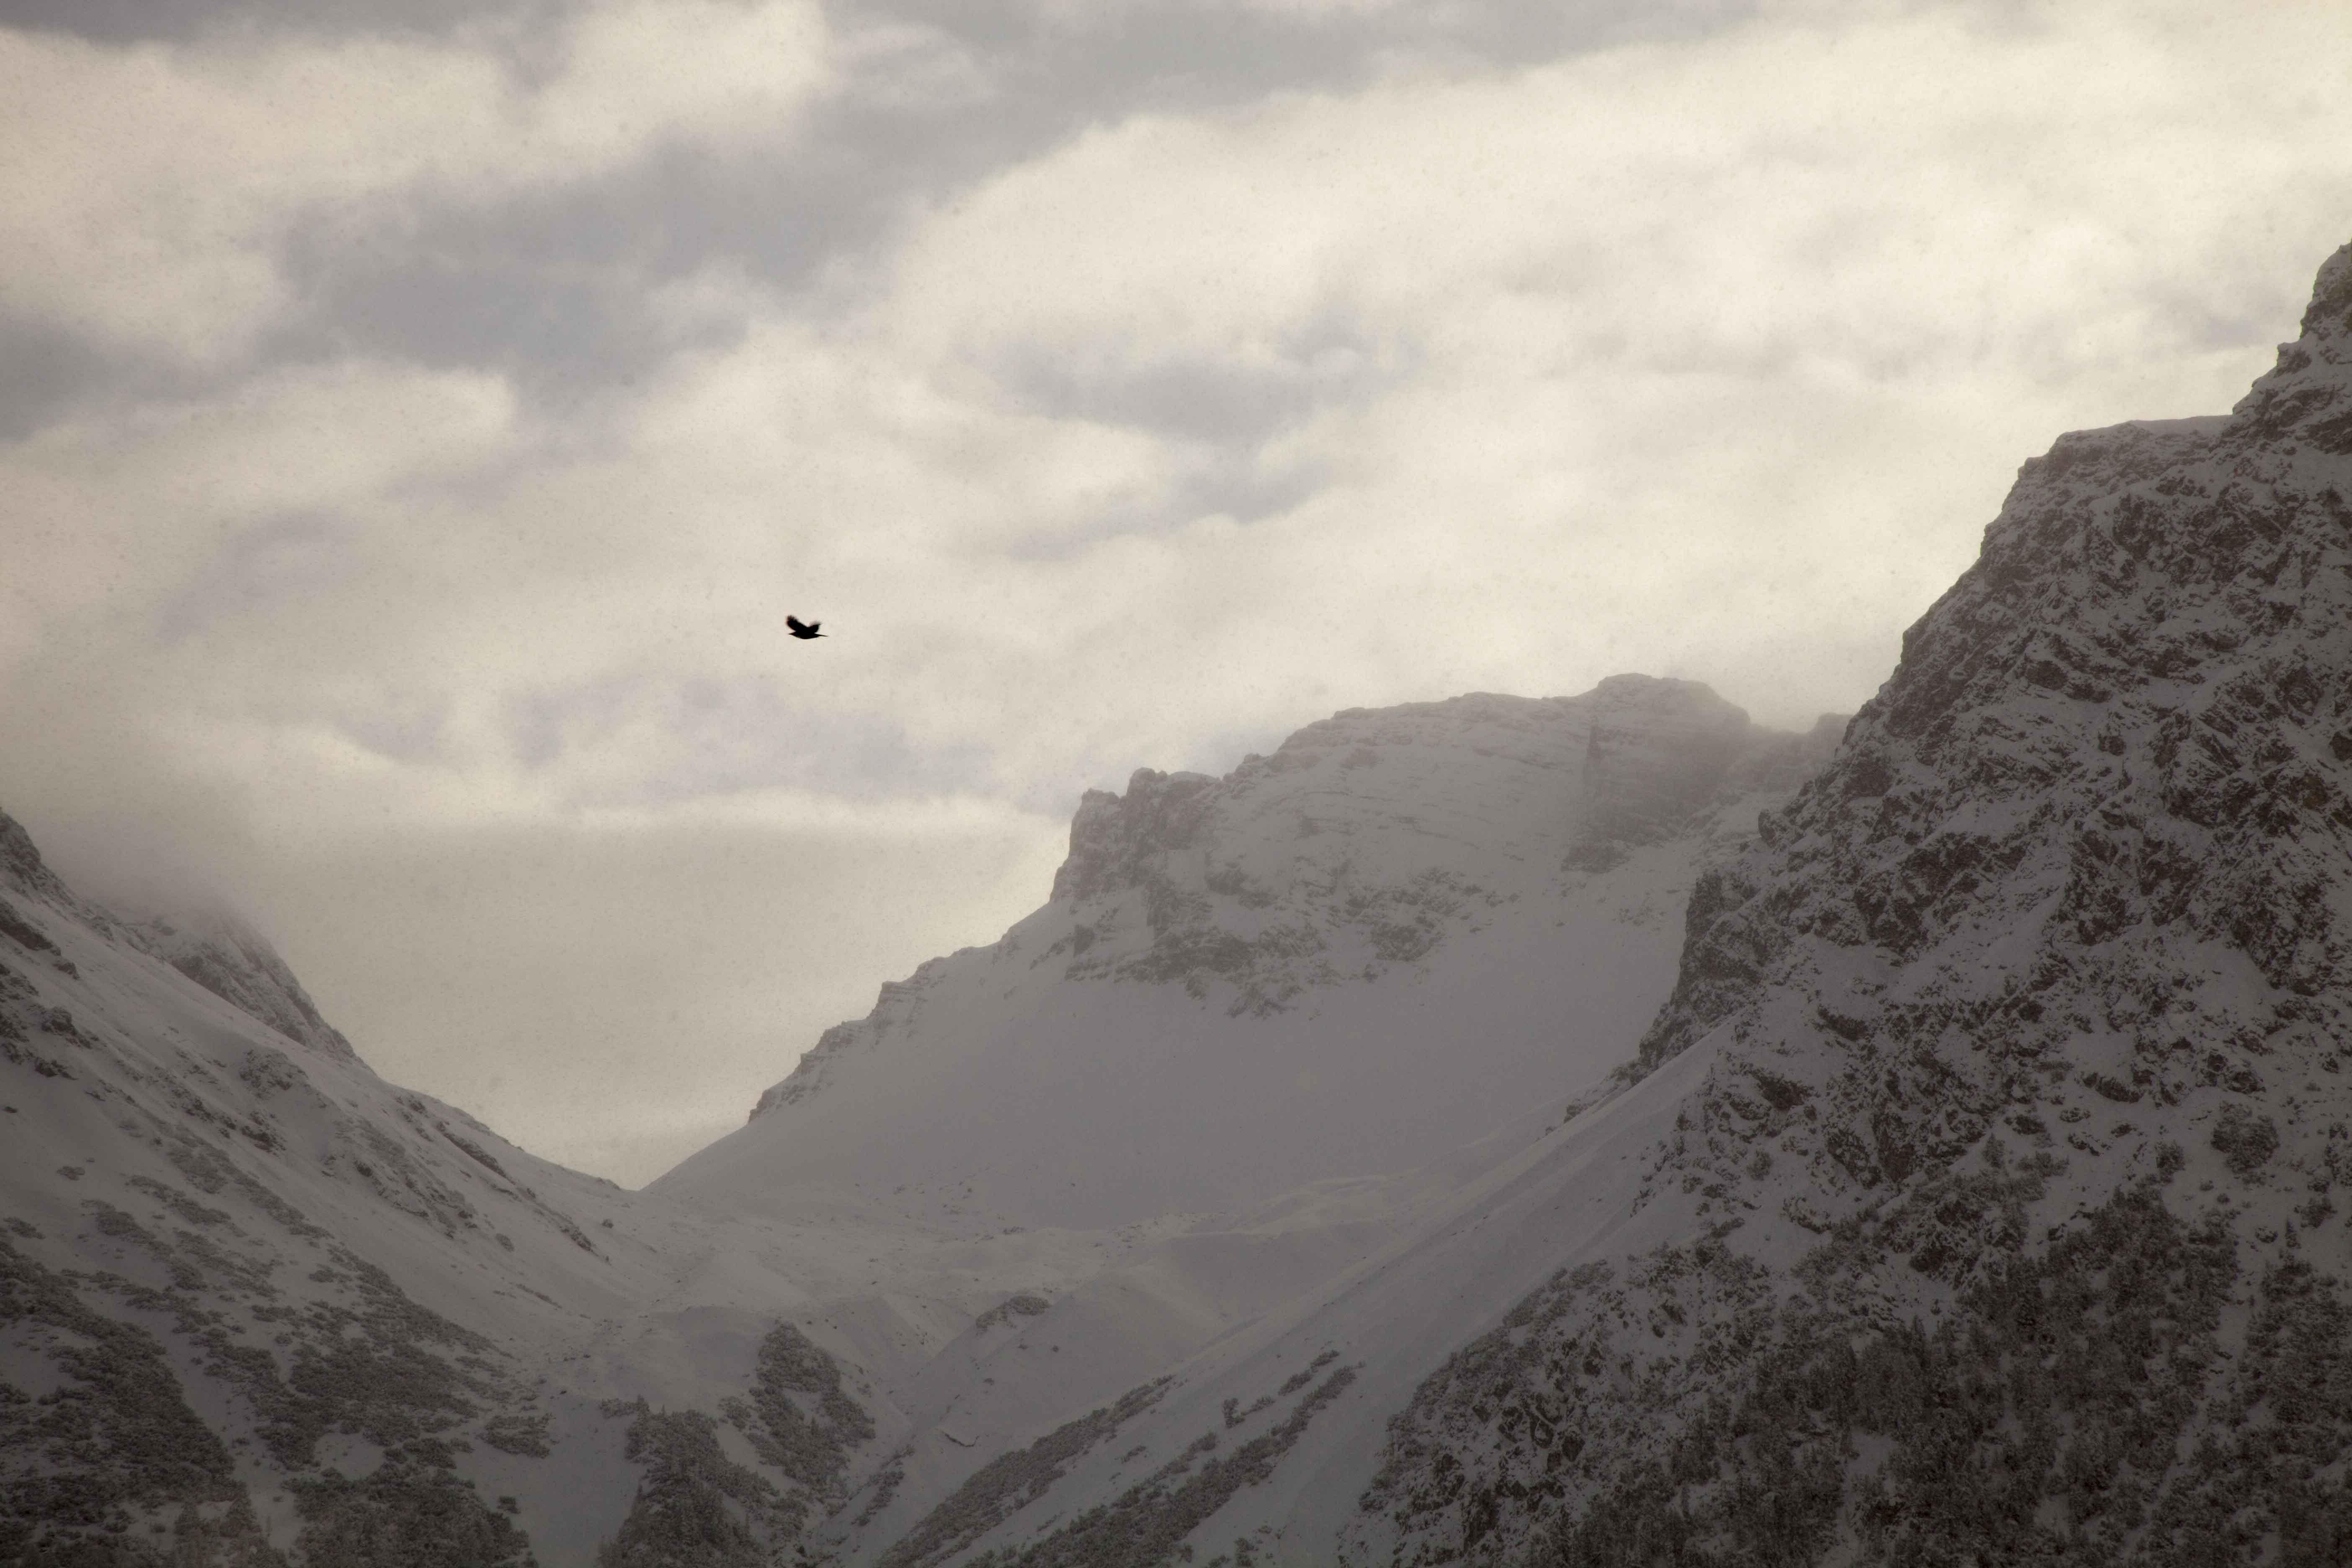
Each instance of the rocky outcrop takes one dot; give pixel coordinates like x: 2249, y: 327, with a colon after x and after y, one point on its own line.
x: 22, y: 869
x: 1637, y: 760
x: 1115, y: 840
x: 2005, y: 1214
x: 1662, y: 752
x: 2101, y: 817
x: 1659, y: 751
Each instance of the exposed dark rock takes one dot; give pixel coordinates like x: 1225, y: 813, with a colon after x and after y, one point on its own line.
x: 2085, y: 859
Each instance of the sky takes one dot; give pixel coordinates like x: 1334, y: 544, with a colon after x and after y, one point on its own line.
x: 417, y: 417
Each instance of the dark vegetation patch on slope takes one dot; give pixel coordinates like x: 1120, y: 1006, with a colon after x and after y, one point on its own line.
x: 367, y: 1361
x: 24, y: 933
x: 1011, y: 1481
x: 355, y: 1354
x: 696, y: 1508
x: 1023, y: 1305
x: 809, y: 1447
x: 411, y: 1511
x: 23, y: 1022
x: 1146, y: 1525
x: 113, y: 1442
x: 882, y: 1486
x: 2077, y: 1405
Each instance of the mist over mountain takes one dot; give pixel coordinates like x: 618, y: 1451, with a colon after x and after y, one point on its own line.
x: 1588, y: 1131
x: 1261, y: 1024
x: 1400, y: 931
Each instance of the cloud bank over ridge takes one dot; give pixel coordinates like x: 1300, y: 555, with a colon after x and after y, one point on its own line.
x: 427, y: 416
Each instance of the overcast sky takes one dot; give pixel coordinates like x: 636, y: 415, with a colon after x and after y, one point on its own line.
x: 416, y: 417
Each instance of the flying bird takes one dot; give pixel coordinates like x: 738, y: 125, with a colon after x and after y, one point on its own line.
x: 800, y: 628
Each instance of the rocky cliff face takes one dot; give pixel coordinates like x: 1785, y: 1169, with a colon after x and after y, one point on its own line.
x: 2100, y: 821
x: 1661, y: 750
x: 2028, y: 1016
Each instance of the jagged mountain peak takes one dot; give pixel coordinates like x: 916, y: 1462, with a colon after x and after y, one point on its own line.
x: 1971, y: 1198
x: 2019, y: 1036
x: 2113, y: 759
x: 1649, y: 753
x: 2328, y: 317
x: 21, y: 865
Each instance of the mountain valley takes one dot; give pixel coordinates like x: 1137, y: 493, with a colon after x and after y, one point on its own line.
x: 1581, y: 1131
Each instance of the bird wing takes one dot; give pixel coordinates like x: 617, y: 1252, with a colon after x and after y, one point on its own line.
x: 794, y: 622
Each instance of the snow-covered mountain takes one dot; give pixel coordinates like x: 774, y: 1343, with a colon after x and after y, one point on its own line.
x: 261, y: 1306
x: 1263, y: 1024
x: 257, y: 1306
x: 1403, y: 929
x: 1962, y: 1190
x: 1970, y: 1199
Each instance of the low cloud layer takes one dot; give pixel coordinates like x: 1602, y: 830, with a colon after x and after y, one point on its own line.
x: 428, y: 417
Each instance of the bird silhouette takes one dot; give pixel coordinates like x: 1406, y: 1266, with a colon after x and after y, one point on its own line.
x: 800, y: 628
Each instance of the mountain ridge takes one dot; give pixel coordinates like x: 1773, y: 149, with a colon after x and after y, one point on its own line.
x: 1454, y: 907
x: 1968, y: 1197
x: 1970, y: 1194
x: 2075, y: 878
x: 369, y: 1311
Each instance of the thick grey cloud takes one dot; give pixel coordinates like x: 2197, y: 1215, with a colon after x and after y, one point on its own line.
x: 186, y: 21
x: 552, y: 286
x: 50, y: 368
x: 420, y: 423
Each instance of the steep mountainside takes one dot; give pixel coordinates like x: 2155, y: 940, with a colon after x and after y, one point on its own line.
x: 1973, y: 1198
x: 1403, y: 929
x: 1969, y: 1198
x: 1263, y: 1024
x: 236, y: 964
x: 259, y: 1307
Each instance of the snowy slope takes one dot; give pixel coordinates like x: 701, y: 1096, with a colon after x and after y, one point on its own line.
x: 253, y: 1300
x: 1970, y: 1192
x: 1264, y: 1024
x: 359, y: 1310
x: 1400, y: 931
x: 1297, y: 1402
x: 1974, y: 1200
x: 228, y: 958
